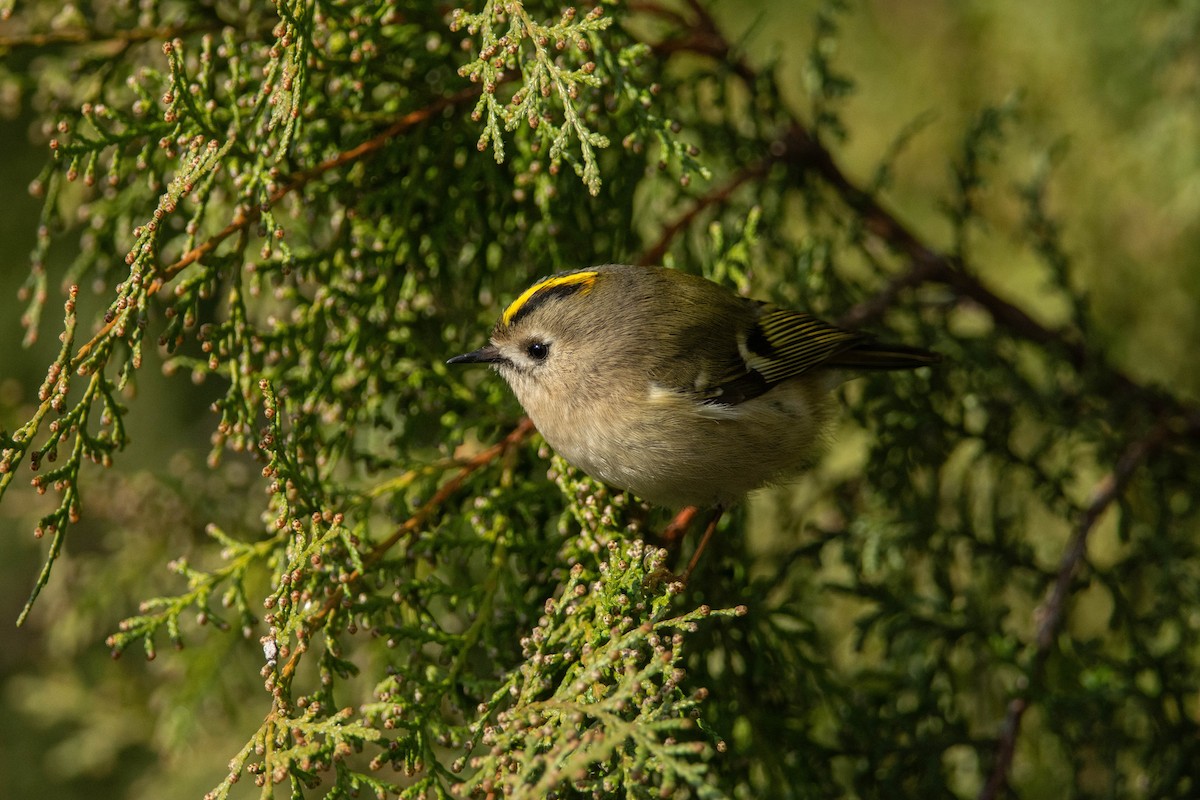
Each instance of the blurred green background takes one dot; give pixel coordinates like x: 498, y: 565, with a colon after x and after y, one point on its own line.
x: 1114, y: 84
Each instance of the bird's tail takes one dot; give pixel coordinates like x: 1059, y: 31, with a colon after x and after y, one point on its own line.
x: 877, y: 355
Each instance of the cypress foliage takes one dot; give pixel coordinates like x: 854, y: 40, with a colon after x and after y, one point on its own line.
x: 385, y: 582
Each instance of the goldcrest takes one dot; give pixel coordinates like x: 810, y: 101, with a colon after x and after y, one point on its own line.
x: 674, y: 387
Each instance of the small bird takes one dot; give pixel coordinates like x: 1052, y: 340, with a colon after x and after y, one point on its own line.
x: 674, y: 387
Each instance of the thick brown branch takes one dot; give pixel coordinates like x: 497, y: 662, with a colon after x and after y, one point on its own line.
x: 806, y: 154
x: 1053, y: 609
x: 928, y: 265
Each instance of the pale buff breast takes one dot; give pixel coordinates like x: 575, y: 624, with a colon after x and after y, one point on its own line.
x: 671, y: 451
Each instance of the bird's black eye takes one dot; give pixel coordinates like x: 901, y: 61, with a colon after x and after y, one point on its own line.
x: 537, y: 350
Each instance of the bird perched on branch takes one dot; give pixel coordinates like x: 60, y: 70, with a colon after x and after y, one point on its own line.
x: 674, y: 387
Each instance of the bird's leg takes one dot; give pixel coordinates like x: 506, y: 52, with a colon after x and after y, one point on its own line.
x: 708, y: 533
x: 679, y: 525
x: 674, y: 531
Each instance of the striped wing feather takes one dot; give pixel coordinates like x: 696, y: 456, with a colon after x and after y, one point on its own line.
x: 786, y: 344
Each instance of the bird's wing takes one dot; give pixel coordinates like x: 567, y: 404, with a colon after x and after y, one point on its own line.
x: 785, y: 344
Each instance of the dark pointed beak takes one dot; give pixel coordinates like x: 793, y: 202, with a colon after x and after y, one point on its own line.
x: 484, y: 355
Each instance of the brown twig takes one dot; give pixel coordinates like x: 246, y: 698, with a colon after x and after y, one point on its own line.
x: 654, y: 254
x: 1051, y: 612
x: 877, y: 305
x: 84, y: 36
x: 701, y: 36
x: 248, y: 215
x: 411, y: 525
x: 709, y: 530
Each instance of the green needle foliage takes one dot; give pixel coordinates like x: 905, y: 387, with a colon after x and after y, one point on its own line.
x: 991, y: 591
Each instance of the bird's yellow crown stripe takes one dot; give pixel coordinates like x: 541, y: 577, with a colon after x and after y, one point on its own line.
x: 586, y: 279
